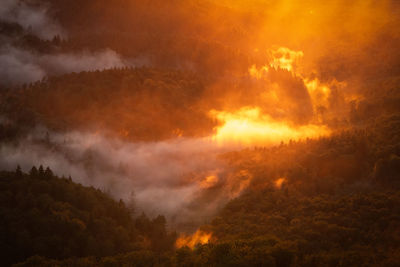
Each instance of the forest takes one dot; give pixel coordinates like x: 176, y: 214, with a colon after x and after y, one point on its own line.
x: 350, y: 217
x: 199, y: 133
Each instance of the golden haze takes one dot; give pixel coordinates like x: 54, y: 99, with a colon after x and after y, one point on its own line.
x: 199, y: 237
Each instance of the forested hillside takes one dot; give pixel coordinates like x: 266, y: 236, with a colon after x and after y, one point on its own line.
x: 144, y: 31
x: 333, y: 201
x: 346, y: 161
x: 42, y: 214
x: 144, y: 104
x: 199, y: 133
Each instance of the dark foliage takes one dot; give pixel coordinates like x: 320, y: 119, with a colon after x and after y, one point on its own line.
x: 144, y: 104
x: 57, y: 218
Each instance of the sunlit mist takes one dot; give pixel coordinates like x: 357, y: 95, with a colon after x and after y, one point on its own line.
x: 279, y: 182
x: 199, y: 237
x: 248, y: 126
x: 199, y: 133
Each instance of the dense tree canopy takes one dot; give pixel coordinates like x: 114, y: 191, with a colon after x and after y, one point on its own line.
x: 327, y: 201
x: 54, y: 217
x: 145, y: 104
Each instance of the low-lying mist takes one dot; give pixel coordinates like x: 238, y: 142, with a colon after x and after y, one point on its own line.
x: 18, y: 66
x: 29, y: 23
x: 289, y: 71
x: 33, y: 18
x: 182, y: 179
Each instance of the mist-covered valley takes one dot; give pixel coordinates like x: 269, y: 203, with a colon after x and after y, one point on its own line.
x: 199, y: 133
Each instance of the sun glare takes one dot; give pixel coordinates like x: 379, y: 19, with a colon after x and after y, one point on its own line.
x: 248, y: 126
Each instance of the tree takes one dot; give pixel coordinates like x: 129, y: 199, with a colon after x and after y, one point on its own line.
x: 41, y: 171
x: 33, y: 172
x: 18, y: 172
x: 48, y: 174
